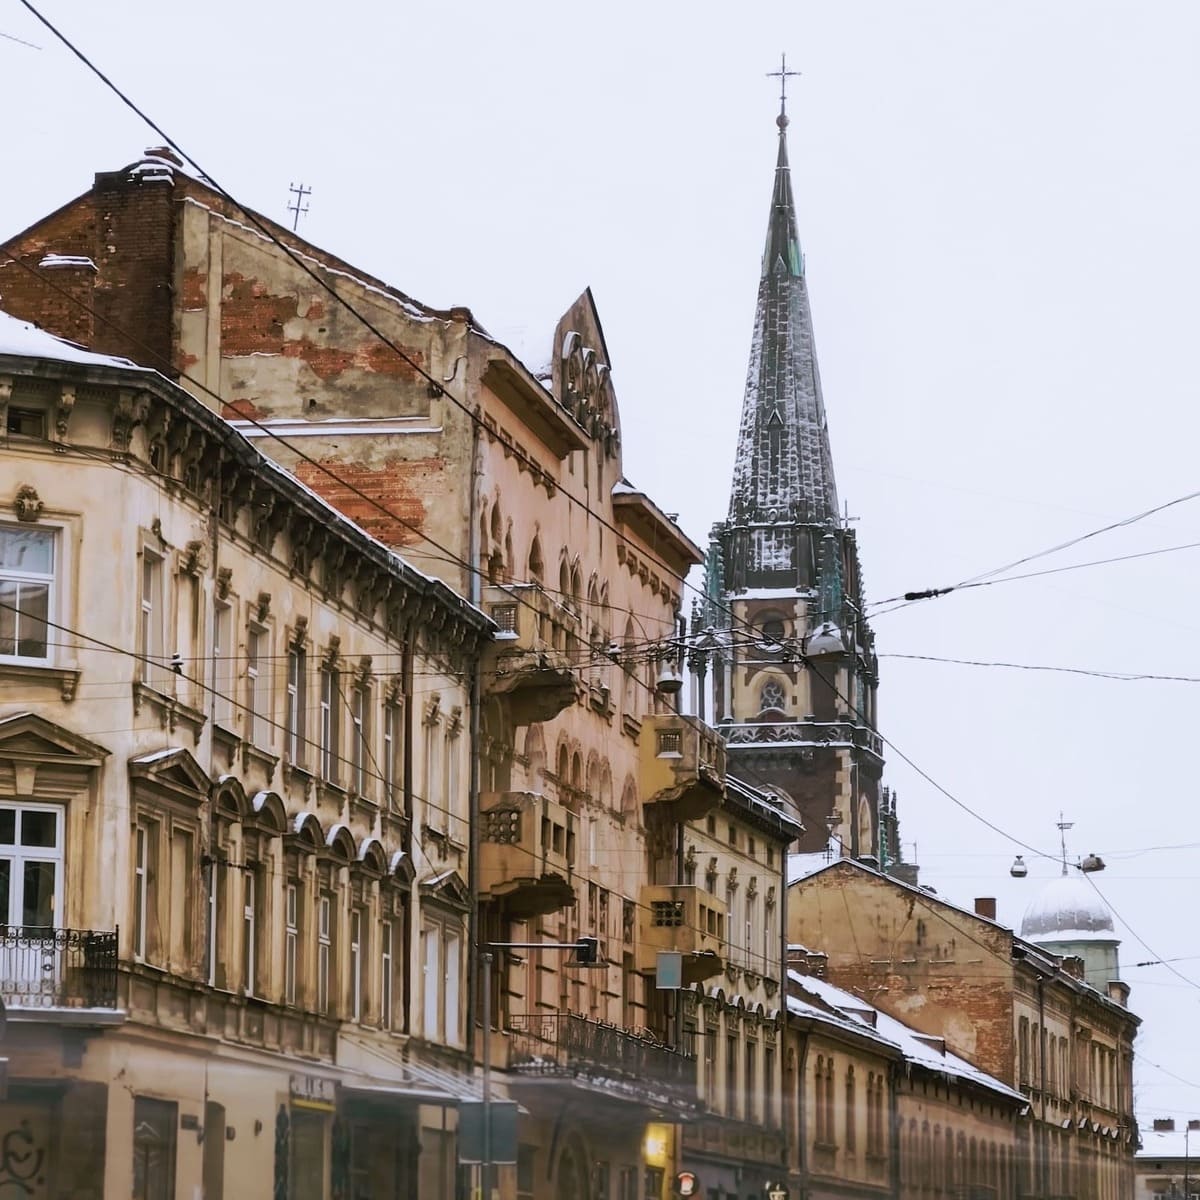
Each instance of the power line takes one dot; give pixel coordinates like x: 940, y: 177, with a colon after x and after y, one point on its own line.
x: 1119, y: 676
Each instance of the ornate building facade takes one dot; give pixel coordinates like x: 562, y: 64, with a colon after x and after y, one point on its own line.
x: 594, y: 806
x: 230, y: 964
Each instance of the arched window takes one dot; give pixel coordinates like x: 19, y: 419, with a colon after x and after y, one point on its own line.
x: 772, y: 697
x: 629, y: 696
x: 851, y: 1113
x: 576, y: 588
x: 564, y: 583
x: 629, y: 798
x: 535, y: 755
x: 509, y: 564
x: 866, y: 828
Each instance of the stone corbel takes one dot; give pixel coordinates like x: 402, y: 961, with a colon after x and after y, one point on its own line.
x: 752, y: 887
x: 299, y: 634
x: 224, y: 578
x: 770, y: 900
x: 731, y: 880
x: 364, y: 673
x: 63, y: 410
x: 193, y: 559
x: 329, y: 660
x: 128, y: 413
x: 263, y: 607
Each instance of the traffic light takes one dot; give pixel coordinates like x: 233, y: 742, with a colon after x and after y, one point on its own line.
x: 587, y: 952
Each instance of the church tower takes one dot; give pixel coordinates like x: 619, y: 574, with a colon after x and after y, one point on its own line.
x: 786, y: 648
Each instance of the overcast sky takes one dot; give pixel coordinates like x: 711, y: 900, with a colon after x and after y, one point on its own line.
x: 998, y: 203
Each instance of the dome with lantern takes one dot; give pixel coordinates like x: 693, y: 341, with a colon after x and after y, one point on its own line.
x: 1069, y: 918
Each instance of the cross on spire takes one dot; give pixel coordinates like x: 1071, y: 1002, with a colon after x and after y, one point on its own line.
x: 783, y: 75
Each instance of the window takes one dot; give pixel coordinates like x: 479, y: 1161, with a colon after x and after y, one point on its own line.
x: 385, y: 975
x: 223, y: 653
x: 731, y: 1045
x: 324, y: 950
x: 291, y: 941
x: 772, y: 698
x: 750, y: 1102
x: 151, y: 631
x: 145, y: 891
x: 26, y: 592
x: 330, y: 717
x: 392, y: 741
x: 360, y: 716
x: 851, y: 1113
x: 26, y: 422
x: 31, y: 859
x: 250, y: 930
x: 358, y: 963
x: 441, y: 963
x: 768, y: 1087
x: 154, y: 1126
x: 258, y: 665
x: 297, y: 701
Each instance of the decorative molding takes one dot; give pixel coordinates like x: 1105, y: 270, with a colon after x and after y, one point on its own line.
x: 224, y: 578
x: 27, y: 503
x: 263, y: 606
x: 329, y: 660
x: 299, y: 634
x: 63, y: 410
x: 194, y: 558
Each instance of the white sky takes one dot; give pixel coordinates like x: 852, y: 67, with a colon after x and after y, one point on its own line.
x: 998, y: 203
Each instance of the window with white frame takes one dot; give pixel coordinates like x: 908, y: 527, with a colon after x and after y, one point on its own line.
x: 27, y: 567
x: 250, y: 924
x: 297, y: 701
x: 324, y: 950
x: 291, y: 941
x: 31, y: 866
x: 224, y: 653
x: 358, y: 962
x: 385, y: 974
x: 441, y: 964
x: 152, y: 622
x: 145, y: 891
x: 330, y: 702
x: 360, y: 750
x: 258, y: 684
x: 392, y: 741
x: 216, y: 880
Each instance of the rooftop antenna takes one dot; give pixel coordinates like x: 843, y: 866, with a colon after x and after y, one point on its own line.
x: 299, y: 208
x: 1063, y: 826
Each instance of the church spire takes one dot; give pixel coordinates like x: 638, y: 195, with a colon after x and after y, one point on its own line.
x: 784, y: 496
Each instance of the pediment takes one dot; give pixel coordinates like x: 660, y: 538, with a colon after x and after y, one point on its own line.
x: 447, y: 887
x: 27, y: 737
x: 172, y: 770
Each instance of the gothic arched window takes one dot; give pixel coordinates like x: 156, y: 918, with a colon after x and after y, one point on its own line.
x: 772, y: 697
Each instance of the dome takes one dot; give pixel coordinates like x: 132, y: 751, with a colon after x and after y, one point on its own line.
x: 1068, y: 909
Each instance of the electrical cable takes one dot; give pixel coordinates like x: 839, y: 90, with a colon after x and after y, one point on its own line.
x: 1118, y: 676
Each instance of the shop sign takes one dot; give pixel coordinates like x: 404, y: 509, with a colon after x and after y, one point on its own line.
x: 312, y: 1091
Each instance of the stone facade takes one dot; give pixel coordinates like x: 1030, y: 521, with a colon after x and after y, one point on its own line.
x: 226, y: 949
x: 1022, y: 1015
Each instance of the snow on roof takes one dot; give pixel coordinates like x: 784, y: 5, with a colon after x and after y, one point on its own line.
x: 868, y: 1019
x: 800, y: 866
x: 530, y: 340
x: 25, y: 340
x: 1068, y: 909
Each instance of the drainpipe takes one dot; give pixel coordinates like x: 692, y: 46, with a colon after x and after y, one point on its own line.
x: 474, y: 589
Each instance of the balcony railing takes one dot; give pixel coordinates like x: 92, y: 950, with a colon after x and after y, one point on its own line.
x: 57, y: 968
x: 803, y: 734
x: 565, y: 1045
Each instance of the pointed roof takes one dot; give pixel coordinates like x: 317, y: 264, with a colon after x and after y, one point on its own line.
x: 783, y: 474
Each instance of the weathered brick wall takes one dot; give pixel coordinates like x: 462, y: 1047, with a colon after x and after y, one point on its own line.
x: 939, y: 969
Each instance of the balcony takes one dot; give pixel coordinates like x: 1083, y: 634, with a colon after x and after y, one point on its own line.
x: 530, y: 664
x: 682, y: 764
x: 567, y: 1046
x: 526, y: 853
x: 57, y: 968
x: 686, y: 919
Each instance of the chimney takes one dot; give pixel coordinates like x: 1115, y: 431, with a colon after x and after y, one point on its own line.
x: 985, y: 906
x: 1193, y: 1126
x: 1164, y: 1124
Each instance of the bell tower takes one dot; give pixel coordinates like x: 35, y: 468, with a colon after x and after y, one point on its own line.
x: 791, y: 675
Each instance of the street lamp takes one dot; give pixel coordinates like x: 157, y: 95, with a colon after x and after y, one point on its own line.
x: 587, y: 954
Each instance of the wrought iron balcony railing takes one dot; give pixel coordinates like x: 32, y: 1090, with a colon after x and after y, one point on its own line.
x: 566, y: 1045
x: 57, y: 968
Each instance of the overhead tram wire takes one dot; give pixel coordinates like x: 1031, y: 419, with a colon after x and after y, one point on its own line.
x: 905, y: 599
x: 280, y: 727
x: 474, y: 417
x: 1116, y: 676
